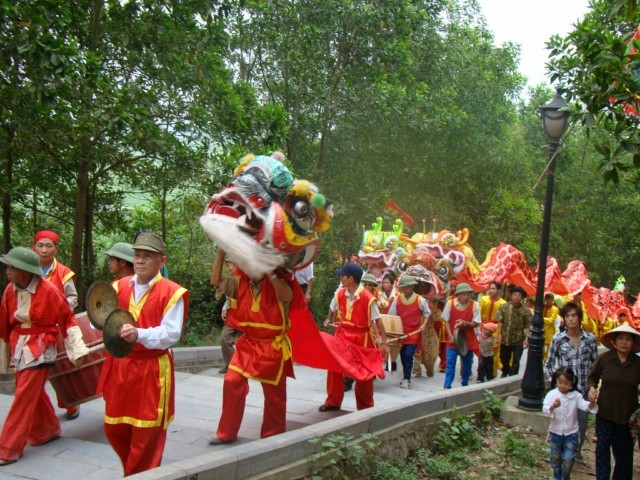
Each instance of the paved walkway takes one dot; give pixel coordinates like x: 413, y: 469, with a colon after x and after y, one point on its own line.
x: 83, y: 451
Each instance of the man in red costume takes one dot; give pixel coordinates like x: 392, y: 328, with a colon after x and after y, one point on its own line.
x: 45, y: 244
x: 414, y: 312
x: 461, y: 313
x: 259, y: 309
x: 32, y: 313
x: 139, y: 389
x: 359, y: 320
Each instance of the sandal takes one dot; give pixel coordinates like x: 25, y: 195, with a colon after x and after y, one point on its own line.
x: 327, y: 408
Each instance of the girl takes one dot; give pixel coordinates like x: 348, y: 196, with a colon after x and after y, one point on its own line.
x: 563, y: 403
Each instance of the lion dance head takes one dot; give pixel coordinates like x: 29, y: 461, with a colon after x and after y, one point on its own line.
x: 265, y: 220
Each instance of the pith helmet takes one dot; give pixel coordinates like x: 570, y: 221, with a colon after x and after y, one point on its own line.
x: 123, y: 251
x: 463, y: 288
x: 23, y: 259
x: 407, y: 281
x: 368, y: 278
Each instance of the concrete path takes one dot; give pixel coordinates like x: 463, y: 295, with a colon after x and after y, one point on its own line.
x: 83, y: 451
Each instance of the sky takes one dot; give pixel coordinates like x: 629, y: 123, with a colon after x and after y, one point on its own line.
x: 530, y: 24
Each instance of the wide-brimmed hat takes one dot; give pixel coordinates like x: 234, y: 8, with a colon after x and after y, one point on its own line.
x: 351, y: 270
x: 122, y: 250
x: 150, y: 242
x: 407, y: 281
x: 23, y: 259
x: 368, y: 278
x: 607, y: 338
x: 463, y: 288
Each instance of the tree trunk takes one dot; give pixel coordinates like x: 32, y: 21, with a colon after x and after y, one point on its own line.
x: 6, y: 195
x: 83, y: 182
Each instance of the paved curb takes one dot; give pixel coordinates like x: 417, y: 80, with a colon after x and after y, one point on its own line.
x: 286, y: 456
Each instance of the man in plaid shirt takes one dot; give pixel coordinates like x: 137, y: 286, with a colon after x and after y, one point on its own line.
x: 578, y: 350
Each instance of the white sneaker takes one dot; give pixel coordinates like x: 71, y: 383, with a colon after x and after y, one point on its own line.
x: 405, y: 384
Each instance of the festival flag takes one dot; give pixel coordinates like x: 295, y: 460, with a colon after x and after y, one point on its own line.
x: 391, y: 205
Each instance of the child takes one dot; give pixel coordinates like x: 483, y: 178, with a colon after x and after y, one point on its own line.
x: 563, y: 402
x: 485, y: 343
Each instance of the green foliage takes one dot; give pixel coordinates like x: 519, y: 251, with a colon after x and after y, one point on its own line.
x: 456, y: 432
x: 596, y: 67
x: 346, y: 456
x: 492, y: 405
x: 517, y: 450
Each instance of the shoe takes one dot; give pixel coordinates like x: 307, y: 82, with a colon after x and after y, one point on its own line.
x: 594, y: 439
x: 417, y: 375
x: 214, y: 439
x: 580, y: 459
x: 394, y: 366
x: 6, y: 462
x: 441, y: 370
x: 479, y: 381
x: 405, y: 384
x: 327, y: 408
x: 223, y: 370
x: 72, y: 413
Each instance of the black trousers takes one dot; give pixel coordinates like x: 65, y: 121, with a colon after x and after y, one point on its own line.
x: 485, y: 368
x: 506, y: 354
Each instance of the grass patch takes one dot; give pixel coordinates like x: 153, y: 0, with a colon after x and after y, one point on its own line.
x: 476, y: 446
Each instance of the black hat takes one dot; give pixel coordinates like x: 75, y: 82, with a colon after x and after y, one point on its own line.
x: 518, y: 289
x: 351, y: 270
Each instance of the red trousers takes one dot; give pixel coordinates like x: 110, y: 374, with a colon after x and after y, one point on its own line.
x: 31, y: 418
x: 442, y: 353
x: 335, y: 391
x: 139, y: 449
x: 234, y: 395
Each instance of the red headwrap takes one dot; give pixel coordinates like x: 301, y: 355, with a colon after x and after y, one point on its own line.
x: 47, y: 234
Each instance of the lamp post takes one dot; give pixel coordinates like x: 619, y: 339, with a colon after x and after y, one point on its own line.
x: 554, y: 118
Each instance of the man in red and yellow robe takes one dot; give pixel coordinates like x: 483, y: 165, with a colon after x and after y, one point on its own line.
x: 360, y: 325
x: 139, y: 389
x: 259, y: 309
x: 32, y: 313
x: 46, y: 244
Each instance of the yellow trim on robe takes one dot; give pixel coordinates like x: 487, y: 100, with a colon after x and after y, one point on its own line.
x: 173, y: 300
x: 163, y: 403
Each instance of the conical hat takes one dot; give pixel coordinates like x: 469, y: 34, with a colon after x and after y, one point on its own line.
x: 607, y: 338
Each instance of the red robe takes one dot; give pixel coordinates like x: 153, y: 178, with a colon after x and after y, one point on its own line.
x: 263, y: 353
x: 31, y: 418
x: 411, y: 316
x: 139, y: 389
x: 59, y: 274
x: 466, y: 315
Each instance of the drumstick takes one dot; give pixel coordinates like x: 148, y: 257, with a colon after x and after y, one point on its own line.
x: 95, y: 348
x: 402, y: 337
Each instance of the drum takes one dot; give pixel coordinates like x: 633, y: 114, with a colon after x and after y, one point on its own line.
x: 393, y: 328
x: 76, y: 385
x: 392, y: 324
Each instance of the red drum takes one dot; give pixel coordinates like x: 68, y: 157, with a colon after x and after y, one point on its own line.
x: 76, y: 385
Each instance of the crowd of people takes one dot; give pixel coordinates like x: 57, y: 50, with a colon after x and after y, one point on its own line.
x: 139, y: 389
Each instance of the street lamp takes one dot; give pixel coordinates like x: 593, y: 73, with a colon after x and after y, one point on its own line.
x: 555, y: 119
